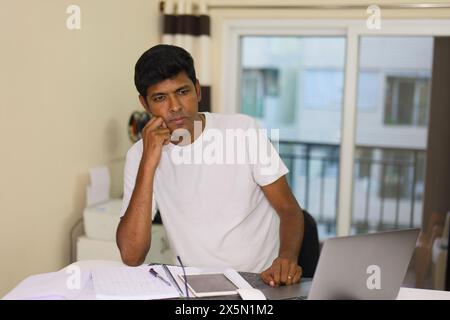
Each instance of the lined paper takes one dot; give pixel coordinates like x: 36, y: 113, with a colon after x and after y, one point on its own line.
x: 131, y: 283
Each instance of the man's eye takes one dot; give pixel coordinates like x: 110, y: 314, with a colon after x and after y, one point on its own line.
x: 183, y: 91
x: 158, y: 98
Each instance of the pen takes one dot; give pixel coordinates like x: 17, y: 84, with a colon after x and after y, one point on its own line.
x: 154, y: 273
x: 169, y: 274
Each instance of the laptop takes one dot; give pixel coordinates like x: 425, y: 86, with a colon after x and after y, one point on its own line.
x: 371, y: 266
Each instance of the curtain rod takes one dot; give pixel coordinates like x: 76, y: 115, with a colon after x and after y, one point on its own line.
x: 328, y: 7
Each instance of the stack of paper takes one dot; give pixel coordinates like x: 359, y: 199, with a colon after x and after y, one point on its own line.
x: 100, y: 280
x: 137, y: 283
x: 50, y: 286
x: 131, y: 283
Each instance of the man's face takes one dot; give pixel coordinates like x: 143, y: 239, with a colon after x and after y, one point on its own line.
x: 175, y: 100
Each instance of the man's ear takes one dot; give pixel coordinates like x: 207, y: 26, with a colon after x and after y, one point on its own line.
x: 198, y: 90
x: 144, y: 103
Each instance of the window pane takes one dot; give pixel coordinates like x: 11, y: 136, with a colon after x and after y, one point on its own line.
x: 296, y: 85
x: 391, y: 138
x: 424, y: 102
x: 405, y: 100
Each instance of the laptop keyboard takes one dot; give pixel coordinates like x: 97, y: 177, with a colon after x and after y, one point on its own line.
x: 297, y: 298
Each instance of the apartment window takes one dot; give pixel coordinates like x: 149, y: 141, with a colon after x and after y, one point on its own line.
x: 257, y: 86
x: 407, y: 101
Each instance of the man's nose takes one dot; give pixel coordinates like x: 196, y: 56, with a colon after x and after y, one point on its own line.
x: 175, y: 103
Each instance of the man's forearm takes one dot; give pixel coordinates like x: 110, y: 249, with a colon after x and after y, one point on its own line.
x: 291, y: 233
x: 134, y: 230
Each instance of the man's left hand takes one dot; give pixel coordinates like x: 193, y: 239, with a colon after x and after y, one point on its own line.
x: 283, y: 271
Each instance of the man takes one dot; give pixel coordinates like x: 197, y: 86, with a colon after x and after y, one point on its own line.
x: 216, y: 213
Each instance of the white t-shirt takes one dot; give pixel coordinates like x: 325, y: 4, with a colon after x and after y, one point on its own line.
x: 211, y: 202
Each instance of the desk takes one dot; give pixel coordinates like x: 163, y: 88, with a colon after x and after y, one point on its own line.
x: 53, y: 286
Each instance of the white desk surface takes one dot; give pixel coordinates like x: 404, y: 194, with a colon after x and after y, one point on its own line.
x: 422, y: 294
x: 44, y: 286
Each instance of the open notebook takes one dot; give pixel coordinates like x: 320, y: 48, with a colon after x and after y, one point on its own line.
x: 137, y: 283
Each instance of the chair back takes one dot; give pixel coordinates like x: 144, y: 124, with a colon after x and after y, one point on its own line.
x: 310, y: 250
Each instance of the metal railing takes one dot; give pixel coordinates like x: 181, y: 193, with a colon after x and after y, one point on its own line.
x: 381, y: 194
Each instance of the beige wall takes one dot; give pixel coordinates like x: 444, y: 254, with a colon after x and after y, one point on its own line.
x: 65, y: 98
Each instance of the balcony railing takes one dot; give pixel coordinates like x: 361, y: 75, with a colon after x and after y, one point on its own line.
x: 388, y: 184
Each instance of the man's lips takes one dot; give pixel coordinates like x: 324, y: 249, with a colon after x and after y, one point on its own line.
x: 178, y: 120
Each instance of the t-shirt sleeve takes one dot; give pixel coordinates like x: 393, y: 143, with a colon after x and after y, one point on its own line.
x: 267, y: 166
x: 132, y: 162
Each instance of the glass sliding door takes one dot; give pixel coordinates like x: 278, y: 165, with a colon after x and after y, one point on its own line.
x: 393, y: 98
x: 296, y: 84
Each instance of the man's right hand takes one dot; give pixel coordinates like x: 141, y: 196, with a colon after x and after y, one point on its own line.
x: 154, y: 135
